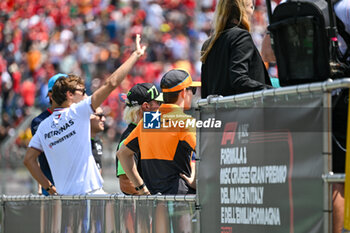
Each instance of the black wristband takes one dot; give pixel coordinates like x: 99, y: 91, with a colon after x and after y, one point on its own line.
x: 140, y: 187
x: 49, y: 188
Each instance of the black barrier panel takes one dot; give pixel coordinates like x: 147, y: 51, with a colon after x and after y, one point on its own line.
x: 17, y: 218
x: 260, y: 175
x: 94, y: 215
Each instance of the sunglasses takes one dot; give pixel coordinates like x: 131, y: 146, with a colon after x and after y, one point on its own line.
x: 193, y: 89
x: 100, y: 115
x: 82, y: 90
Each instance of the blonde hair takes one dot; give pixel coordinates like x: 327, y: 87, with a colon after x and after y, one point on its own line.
x: 227, y: 11
x: 131, y: 114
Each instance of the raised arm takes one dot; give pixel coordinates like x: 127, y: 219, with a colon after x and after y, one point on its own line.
x: 118, y: 76
x: 30, y: 161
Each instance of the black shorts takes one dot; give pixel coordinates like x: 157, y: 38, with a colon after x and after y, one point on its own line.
x: 340, y: 100
x: 338, y: 157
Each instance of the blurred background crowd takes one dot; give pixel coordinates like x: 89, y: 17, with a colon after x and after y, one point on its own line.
x: 91, y: 38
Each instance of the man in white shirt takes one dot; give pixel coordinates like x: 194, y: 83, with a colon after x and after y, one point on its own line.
x: 65, y: 135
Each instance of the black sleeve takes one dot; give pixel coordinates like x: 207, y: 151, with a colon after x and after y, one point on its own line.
x: 204, y: 91
x: 243, y: 50
x: 134, y: 145
x: 34, y: 125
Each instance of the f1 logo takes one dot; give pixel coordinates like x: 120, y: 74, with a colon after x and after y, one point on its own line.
x: 229, y: 133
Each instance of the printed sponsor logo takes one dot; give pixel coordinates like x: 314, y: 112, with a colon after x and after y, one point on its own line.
x: 151, y: 120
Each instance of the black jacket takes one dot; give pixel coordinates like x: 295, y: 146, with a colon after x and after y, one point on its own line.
x: 233, y: 65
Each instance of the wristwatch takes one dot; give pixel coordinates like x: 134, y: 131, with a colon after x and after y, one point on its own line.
x: 49, y: 188
x: 140, y: 187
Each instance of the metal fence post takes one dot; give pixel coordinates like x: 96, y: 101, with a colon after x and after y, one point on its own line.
x: 327, y: 148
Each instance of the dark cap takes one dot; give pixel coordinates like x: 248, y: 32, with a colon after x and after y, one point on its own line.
x: 176, y: 80
x: 142, y: 92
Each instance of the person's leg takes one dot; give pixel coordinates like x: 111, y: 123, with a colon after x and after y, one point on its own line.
x: 56, y: 216
x: 110, y: 217
x: 162, y: 222
x: 338, y: 207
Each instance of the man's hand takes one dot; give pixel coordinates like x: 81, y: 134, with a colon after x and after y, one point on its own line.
x: 144, y: 191
x: 139, y: 50
x: 126, y: 186
x: 39, y: 189
x: 191, y: 181
x: 115, y: 79
x: 52, y: 191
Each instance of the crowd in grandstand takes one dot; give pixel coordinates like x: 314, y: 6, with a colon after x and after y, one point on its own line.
x: 93, y: 37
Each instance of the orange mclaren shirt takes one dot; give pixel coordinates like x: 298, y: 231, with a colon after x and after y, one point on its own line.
x: 165, y: 152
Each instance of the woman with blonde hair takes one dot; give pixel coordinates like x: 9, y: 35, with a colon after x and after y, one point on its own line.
x: 231, y: 63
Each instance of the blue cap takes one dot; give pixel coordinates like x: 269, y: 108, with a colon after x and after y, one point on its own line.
x: 53, y: 80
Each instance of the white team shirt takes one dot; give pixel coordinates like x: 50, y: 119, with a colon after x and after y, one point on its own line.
x: 65, y: 139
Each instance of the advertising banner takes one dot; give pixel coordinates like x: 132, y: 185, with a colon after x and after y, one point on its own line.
x: 262, y: 172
